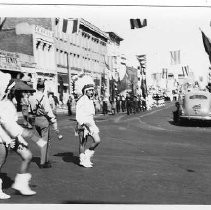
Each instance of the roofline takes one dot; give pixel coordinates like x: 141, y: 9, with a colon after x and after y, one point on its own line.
x: 91, y: 27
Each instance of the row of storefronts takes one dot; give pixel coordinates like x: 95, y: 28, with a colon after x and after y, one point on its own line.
x: 59, y: 51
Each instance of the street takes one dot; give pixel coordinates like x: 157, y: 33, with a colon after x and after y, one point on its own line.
x: 143, y: 159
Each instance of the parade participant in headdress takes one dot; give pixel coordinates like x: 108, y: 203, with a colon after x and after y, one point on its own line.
x: 85, y: 112
x: 12, y: 135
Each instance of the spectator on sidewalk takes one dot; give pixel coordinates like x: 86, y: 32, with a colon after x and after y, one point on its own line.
x: 118, y: 104
x: 52, y: 102
x: 105, y: 105
x: 123, y: 103
x: 69, y: 105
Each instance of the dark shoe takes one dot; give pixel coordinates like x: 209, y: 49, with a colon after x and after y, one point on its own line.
x: 45, y: 165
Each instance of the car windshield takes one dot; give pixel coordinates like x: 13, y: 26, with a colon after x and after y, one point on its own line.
x: 198, y: 97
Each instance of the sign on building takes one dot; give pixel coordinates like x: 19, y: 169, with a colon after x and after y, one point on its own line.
x: 9, y: 61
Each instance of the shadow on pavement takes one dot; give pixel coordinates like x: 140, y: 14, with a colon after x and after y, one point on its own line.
x: 36, y: 160
x: 190, y: 123
x: 7, y: 181
x: 68, y: 157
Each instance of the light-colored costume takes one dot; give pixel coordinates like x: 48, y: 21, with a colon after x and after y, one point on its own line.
x: 10, y: 130
x: 85, y: 112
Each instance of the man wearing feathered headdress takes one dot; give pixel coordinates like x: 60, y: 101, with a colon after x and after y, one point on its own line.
x: 85, y: 112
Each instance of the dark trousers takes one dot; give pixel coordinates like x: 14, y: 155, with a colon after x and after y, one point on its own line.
x: 118, y: 107
x: 69, y: 109
x: 105, y: 108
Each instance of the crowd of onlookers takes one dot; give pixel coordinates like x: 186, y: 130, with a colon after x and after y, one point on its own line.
x: 128, y: 104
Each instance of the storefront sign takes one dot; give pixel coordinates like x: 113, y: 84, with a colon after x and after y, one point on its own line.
x: 9, y: 61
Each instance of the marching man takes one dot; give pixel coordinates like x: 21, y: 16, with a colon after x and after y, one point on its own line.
x: 44, y: 117
x: 85, y: 112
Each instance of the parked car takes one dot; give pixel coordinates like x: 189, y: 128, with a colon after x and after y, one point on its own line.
x: 196, y: 105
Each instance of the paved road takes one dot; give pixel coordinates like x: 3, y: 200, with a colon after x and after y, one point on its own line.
x: 143, y: 159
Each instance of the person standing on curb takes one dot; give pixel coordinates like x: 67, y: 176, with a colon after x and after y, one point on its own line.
x: 40, y: 107
x: 69, y: 105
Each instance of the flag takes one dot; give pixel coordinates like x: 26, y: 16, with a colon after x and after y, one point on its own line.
x: 75, y: 26
x: 64, y: 27
x: 164, y: 73
x: 185, y: 70
x: 175, y: 57
x: 2, y: 21
x: 137, y: 23
x: 106, y: 63
x: 141, y: 60
x: 207, y: 45
x: 144, y: 87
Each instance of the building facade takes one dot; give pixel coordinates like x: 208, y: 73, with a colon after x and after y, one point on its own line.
x: 35, y: 45
x: 114, y: 57
x: 81, y: 48
x: 44, y: 54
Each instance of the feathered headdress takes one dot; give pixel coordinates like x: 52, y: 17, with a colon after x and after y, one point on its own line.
x: 83, y: 83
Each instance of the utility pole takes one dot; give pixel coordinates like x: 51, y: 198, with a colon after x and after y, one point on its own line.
x: 68, y: 73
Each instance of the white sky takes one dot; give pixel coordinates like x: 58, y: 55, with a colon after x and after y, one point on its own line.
x: 169, y: 28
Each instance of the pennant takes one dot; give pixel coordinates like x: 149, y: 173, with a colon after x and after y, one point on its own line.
x: 137, y: 23
x: 64, y: 27
x: 207, y: 45
x: 175, y: 57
